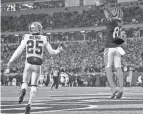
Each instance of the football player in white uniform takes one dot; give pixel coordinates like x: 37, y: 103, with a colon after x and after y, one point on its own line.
x: 35, y: 43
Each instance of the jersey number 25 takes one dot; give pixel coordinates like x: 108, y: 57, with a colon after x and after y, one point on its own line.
x: 34, y: 47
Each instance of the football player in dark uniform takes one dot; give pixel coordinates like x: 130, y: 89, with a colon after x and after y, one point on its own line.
x: 113, y: 51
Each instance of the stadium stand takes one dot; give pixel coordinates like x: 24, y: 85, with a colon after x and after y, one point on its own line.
x: 78, y: 56
x: 67, y: 19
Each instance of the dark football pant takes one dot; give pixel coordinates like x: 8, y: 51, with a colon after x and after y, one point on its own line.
x: 56, y: 82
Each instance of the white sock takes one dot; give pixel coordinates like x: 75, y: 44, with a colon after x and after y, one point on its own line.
x: 24, y: 86
x: 32, y: 94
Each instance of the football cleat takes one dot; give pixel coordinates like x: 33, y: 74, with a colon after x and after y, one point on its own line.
x: 119, y: 95
x: 113, y: 94
x: 21, y: 97
x: 28, y: 108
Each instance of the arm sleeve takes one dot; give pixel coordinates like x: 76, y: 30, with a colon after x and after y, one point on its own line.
x: 50, y: 49
x: 19, y: 50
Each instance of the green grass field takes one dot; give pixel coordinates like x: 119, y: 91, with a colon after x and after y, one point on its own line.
x: 75, y: 100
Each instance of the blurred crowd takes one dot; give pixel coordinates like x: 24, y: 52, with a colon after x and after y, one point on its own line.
x: 85, y: 56
x: 32, y: 5
x: 78, y: 56
x: 67, y: 19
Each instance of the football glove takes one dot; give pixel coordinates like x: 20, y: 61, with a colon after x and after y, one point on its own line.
x: 7, y: 71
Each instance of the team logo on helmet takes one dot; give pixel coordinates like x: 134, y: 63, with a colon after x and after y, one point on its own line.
x: 35, y: 27
x: 117, y: 13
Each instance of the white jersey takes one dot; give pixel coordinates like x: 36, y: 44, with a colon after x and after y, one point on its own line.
x: 34, y: 45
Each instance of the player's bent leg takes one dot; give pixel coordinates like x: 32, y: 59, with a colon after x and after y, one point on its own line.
x: 26, y: 79
x: 111, y: 82
x: 108, y: 59
x: 120, y: 77
x: 33, y: 92
x: 31, y: 98
x: 23, y: 92
x: 24, y: 86
x: 34, y: 83
x: 117, y: 62
x: 27, y: 74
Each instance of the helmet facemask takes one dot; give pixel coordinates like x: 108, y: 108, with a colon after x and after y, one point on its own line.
x: 35, y: 27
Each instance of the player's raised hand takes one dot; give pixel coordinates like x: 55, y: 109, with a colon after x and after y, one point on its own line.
x: 7, y: 70
x: 60, y: 48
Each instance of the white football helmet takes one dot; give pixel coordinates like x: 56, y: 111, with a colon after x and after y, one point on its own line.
x: 35, y: 27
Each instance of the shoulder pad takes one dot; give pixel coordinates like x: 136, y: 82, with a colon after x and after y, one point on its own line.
x: 25, y: 36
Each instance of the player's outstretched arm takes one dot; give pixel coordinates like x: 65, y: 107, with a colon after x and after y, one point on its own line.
x: 108, y: 14
x: 102, y: 5
x: 17, y: 52
x: 52, y: 51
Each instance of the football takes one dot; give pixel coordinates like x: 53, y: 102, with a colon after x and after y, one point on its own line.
x: 118, y: 41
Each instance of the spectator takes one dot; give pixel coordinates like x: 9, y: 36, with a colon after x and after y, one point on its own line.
x: 55, y: 74
x: 128, y: 81
x: 101, y: 80
x: 142, y: 80
x: 89, y: 80
x: 104, y: 80
x: 68, y: 19
x: 93, y: 81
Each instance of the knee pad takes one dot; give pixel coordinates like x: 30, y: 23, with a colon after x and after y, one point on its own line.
x: 34, y: 89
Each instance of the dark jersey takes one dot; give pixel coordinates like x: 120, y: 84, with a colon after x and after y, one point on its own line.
x: 112, y: 32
